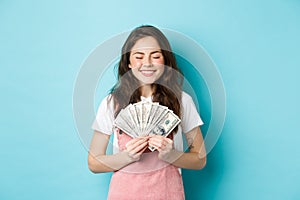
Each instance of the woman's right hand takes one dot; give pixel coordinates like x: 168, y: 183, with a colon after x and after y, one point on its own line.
x: 135, y: 148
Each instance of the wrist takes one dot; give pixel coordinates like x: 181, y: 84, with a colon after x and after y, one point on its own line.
x: 168, y: 156
x: 127, y: 158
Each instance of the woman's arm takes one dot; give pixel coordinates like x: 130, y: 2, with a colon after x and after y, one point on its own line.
x: 194, y: 159
x: 99, y: 162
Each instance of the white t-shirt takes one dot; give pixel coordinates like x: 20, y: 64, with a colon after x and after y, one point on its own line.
x: 189, y: 120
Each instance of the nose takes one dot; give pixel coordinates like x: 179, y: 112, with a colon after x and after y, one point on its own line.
x: 147, y: 61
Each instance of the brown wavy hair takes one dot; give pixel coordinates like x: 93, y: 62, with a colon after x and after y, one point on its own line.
x: 166, y: 90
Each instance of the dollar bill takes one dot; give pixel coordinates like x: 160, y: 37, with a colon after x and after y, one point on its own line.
x: 126, y: 118
x: 144, y: 118
x: 152, y: 114
x: 166, y: 124
x: 159, y: 114
x: 138, y: 110
x: 133, y: 116
x: 146, y: 108
x: 122, y: 124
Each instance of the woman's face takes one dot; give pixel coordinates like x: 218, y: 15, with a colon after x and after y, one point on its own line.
x: 146, y: 60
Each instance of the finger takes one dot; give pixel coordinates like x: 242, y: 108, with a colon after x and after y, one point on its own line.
x: 168, y: 140
x: 143, y: 137
x: 169, y: 143
x: 139, y: 138
x: 140, y: 152
x: 137, y: 155
x: 159, y: 137
x: 133, y: 151
x: 155, y: 136
x: 158, y: 141
x: 132, y: 145
x: 140, y: 147
x: 134, y: 140
x: 164, y: 141
x: 155, y: 147
x: 156, y: 144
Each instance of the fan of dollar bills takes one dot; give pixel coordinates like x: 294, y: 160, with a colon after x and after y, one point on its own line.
x: 144, y: 118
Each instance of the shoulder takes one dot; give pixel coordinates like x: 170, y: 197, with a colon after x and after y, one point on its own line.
x: 186, y: 98
x: 188, y: 105
x: 107, y: 99
x: 190, y: 117
x: 107, y: 103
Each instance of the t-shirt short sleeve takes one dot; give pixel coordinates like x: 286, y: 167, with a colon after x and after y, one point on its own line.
x: 104, y: 117
x: 190, y: 116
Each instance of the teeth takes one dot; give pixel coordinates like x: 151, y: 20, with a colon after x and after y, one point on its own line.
x: 147, y: 72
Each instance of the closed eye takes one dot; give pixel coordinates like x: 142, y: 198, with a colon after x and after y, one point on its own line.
x: 156, y: 55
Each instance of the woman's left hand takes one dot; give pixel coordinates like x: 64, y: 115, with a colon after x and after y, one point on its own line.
x: 162, y: 144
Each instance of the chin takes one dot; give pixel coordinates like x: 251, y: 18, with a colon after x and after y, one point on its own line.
x: 147, y: 82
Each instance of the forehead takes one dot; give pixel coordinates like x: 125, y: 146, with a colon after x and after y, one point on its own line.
x: 146, y: 44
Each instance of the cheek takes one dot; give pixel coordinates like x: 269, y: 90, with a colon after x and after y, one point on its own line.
x: 136, y: 63
x: 159, y: 61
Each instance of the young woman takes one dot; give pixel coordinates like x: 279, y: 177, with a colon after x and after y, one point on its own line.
x: 147, y: 71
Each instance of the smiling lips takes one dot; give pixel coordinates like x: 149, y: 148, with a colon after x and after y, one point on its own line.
x: 147, y: 73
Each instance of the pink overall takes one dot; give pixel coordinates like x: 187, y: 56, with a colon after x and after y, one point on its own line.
x: 147, y: 179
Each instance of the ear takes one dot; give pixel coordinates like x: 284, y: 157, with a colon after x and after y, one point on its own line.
x: 129, y: 65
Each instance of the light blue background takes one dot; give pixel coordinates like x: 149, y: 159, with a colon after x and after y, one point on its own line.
x: 255, y: 45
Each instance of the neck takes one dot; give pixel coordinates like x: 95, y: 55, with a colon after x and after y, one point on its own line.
x: 146, y: 91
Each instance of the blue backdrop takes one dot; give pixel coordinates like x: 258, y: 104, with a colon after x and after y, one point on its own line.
x: 255, y: 45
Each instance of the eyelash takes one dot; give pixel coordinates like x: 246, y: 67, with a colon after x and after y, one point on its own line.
x: 156, y: 57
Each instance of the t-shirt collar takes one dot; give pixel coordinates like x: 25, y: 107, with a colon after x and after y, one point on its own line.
x: 146, y: 99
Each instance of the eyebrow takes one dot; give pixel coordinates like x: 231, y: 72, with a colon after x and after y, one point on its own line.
x: 138, y: 52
